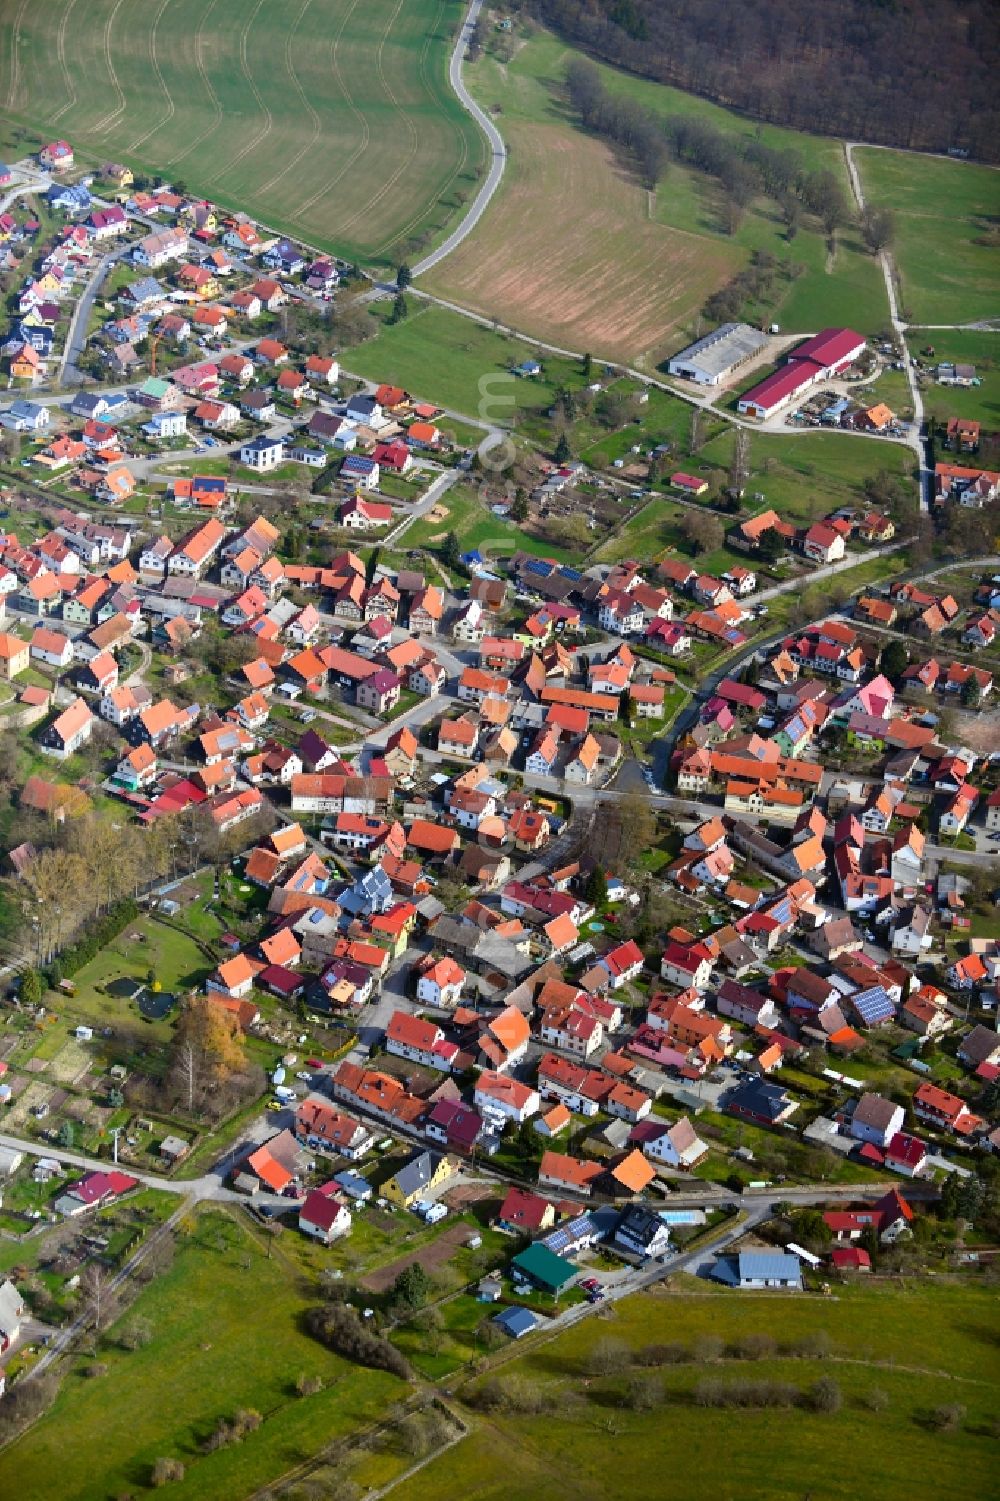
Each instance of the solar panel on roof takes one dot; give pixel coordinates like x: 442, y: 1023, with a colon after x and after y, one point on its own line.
x: 873, y: 1004
x: 537, y: 566
x: 571, y: 573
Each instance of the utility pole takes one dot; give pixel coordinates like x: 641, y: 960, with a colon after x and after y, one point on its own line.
x: 115, y: 1133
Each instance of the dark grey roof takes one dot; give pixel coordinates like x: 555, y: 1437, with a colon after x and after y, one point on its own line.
x: 456, y: 933
x: 978, y: 1044
x: 416, y: 1173
x: 641, y: 1225
x: 758, y: 1097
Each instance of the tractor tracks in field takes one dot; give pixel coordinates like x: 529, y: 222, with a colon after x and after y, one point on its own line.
x: 171, y: 107
x: 262, y: 135
x: 15, y: 56
x: 317, y: 125
x: 71, y: 94
x: 411, y: 129
x: 199, y: 63
x: 110, y: 119
x: 358, y: 114
x: 399, y: 237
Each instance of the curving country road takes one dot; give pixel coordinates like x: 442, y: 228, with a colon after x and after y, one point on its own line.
x: 493, y: 136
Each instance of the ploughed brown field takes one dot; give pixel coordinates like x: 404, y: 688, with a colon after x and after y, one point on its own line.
x: 568, y: 251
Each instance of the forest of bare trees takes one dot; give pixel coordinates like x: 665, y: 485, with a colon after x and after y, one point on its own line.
x: 919, y: 75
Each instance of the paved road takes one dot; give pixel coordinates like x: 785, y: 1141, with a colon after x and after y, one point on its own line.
x: 208, y: 1186
x: 76, y: 339
x: 416, y: 718
x: 984, y: 325
x: 705, y: 401
x: 806, y: 580
x: 493, y: 137
x: 37, y: 183
x: 732, y: 665
x: 755, y: 1210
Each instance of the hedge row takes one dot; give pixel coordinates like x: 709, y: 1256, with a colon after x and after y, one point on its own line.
x: 98, y: 935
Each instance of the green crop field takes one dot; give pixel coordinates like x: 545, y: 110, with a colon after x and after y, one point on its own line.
x: 947, y: 246
x: 583, y: 1427
x: 330, y: 119
x: 226, y: 1333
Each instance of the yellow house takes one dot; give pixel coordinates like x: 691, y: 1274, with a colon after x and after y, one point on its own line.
x: 877, y: 528
x: 199, y: 279
x: 26, y: 364
x: 394, y: 930
x: 14, y: 655
x: 424, y: 1171
x: 48, y: 283
x: 204, y: 215
x: 116, y: 173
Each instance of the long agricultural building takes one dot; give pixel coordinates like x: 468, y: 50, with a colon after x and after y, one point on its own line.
x: 820, y: 358
x: 712, y: 360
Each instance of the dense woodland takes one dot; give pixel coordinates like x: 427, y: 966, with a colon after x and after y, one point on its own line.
x: 913, y: 73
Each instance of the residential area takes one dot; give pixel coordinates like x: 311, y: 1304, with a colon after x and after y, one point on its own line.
x: 479, y: 927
